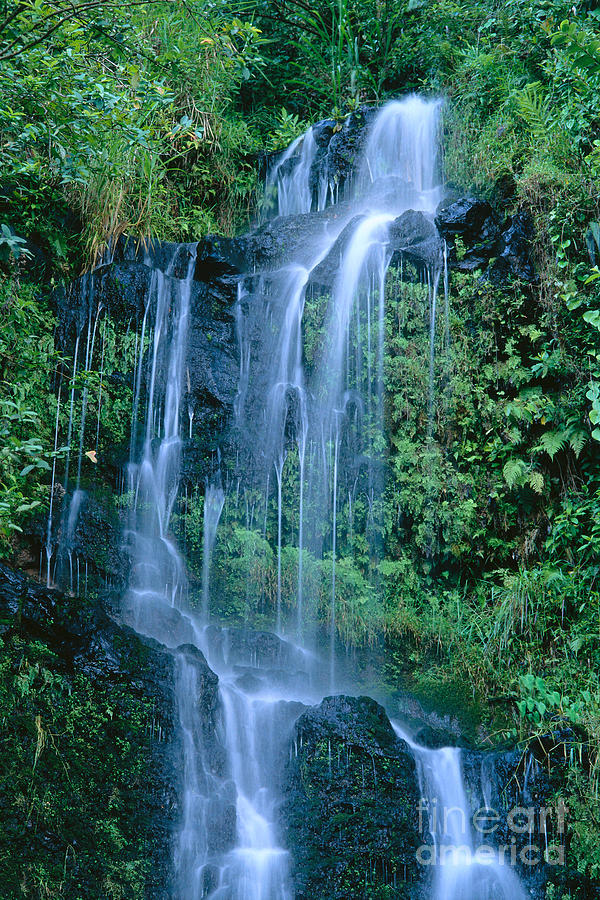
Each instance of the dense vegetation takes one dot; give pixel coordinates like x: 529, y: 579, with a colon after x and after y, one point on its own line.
x: 149, y: 119
x: 80, y: 724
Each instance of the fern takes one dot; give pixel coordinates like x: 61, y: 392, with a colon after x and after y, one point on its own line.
x: 552, y: 442
x: 578, y: 440
x: 536, y: 482
x: 534, y: 109
x: 514, y: 472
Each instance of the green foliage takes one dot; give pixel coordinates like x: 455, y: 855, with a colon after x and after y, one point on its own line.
x: 73, y: 770
x: 121, y: 115
x: 27, y: 359
x: 480, y: 564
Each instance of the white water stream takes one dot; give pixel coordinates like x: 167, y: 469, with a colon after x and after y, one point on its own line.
x: 262, y: 689
x: 463, y: 867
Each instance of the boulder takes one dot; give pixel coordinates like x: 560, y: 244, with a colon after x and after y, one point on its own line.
x: 468, y: 218
x: 504, y: 249
x: 414, y: 237
x: 351, y: 804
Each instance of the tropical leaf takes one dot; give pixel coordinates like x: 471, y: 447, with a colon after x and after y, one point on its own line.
x: 593, y: 318
x: 534, y: 108
x: 578, y: 440
x: 514, y: 472
x: 536, y: 482
x: 552, y: 442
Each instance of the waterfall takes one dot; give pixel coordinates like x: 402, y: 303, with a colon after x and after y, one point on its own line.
x: 335, y: 403
x: 157, y: 570
x: 462, y: 870
x: 256, y: 721
x: 214, y: 499
x: 291, y: 176
x: 319, y: 425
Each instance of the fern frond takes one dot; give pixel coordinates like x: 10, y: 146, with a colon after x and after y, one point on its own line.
x: 552, y: 442
x: 534, y: 108
x: 514, y: 472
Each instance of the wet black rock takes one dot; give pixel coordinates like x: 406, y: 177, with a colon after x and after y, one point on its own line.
x: 159, y: 621
x: 168, y: 256
x: 431, y: 727
x: 513, y: 252
x: 351, y: 804
x: 345, y: 148
x: 414, y: 237
x: 121, y: 287
x: 87, y: 643
x: 212, y: 364
x: 322, y: 133
x: 97, y: 552
x: 504, y: 250
x: 467, y: 218
x: 222, y: 256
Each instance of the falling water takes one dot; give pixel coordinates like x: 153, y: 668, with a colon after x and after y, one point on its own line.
x: 214, y: 499
x: 279, y: 472
x: 404, y: 146
x: 462, y: 870
x: 157, y: 570
x: 320, y: 419
x: 291, y: 176
x: 257, y: 719
x: 337, y: 403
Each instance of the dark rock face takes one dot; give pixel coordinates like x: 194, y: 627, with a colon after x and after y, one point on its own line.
x: 504, y: 248
x: 339, y: 147
x: 345, y: 147
x: 414, y: 237
x: 466, y: 218
x: 96, y: 545
x: 351, y: 804
x: 514, y: 250
x: 122, y: 287
x: 87, y: 643
x: 323, y: 276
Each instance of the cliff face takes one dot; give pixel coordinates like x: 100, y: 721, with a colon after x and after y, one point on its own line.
x: 351, y: 793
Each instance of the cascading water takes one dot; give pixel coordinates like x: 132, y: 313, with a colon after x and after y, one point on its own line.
x: 157, y: 575
x: 256, y: 721
x: 326, y: 420
x: 316, y: 427
x: 214, y: 498
x: 462, y: 870
x: 291, y: 177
